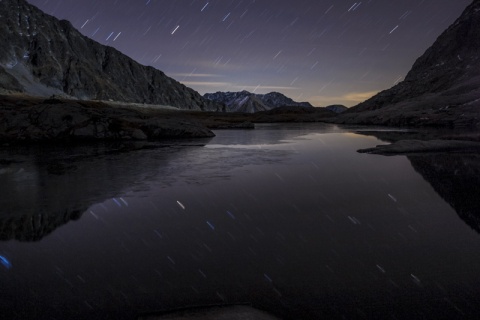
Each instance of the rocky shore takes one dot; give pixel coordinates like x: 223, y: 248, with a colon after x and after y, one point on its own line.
x: 429, y: 146
x: 25, y: 120
x: 424, y: 141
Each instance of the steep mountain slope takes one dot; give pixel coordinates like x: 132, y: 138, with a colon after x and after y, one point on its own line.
x: 443, y: 86
x: 248, y: 102
x: 42, y: 55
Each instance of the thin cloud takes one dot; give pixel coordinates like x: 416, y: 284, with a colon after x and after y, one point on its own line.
x: 235, y: 87
x: 196, y: 75
x: 348, y: 99
x: 248, y: 88
x: 359, y: 96
x: 206, y: 84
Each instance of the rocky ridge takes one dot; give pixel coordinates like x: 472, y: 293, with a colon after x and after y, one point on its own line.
x: 70, y: 121
x: 441, y: 89
x: 41, y: 55
x: 248, y: 102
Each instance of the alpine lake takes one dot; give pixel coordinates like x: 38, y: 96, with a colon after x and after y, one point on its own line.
x: 288, y: 218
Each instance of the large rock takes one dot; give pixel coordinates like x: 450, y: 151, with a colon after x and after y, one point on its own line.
x: 55, y: 120
x: 424, y: 146
x: 442, y: 88
x: 41, y: 55
x: 248, y: 102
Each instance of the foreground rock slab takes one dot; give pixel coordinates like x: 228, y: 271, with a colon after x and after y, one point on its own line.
x: 421, y: 146
x: 57, y: 120
x: 236, y: 312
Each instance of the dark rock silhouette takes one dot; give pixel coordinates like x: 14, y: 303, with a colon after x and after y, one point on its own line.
x: 42, y: 55
x: 248, y: 102
x: 55, y: 120
x: 421, y: 146
x: 293, y: 114
x: 441, y: 89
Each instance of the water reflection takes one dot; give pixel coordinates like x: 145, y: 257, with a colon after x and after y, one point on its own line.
x: 454, y: 176
x: 304, y: 229
x: 273, y: 133
x: 45, y: 187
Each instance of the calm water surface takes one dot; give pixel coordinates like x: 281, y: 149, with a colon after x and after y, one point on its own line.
x: 289, y: 218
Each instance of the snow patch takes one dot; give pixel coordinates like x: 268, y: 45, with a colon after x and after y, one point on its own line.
x: 11, y: 64
x: 32, y: 86
x: 243, y: 101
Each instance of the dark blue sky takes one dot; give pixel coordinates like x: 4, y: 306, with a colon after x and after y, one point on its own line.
x: 322, y: 51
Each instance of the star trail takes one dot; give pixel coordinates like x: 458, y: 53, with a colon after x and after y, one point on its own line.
x: 321, y: 51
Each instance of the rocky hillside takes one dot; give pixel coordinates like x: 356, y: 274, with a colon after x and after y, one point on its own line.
x: 33, y: 120
x: 442, y: 88
x: 248, y: 102
x: 42, y: 55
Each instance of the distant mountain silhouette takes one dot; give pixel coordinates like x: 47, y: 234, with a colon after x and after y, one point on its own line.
x: 42, y: 55
x: 337, y: 108
x: 248, y: 102
x: 441, y: 89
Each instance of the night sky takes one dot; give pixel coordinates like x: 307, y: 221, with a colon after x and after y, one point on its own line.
x: 321, y: 51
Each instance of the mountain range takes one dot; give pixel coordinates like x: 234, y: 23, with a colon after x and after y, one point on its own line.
x: 248, y: 102
x: 441, y: 89
x: 41, y: 55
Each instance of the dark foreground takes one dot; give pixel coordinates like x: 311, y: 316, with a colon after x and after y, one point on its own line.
x: 234, y: 312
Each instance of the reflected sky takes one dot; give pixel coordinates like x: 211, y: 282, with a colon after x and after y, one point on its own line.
x: 303, y: 227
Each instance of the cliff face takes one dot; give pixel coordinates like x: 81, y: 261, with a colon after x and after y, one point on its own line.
x: 443, y: 84
x: 248, y: 102
x: 42, y: 55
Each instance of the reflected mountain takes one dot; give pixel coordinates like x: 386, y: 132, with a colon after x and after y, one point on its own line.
x: 45, y: 187
x: 454, y: 176
x: 269, y: 133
